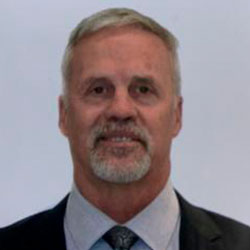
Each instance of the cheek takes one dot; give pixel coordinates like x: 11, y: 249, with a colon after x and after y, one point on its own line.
x: 85, y: 118
x: 160, y: 126
x: 81, y: 125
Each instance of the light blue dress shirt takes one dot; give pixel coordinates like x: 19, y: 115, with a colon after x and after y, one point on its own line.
x: 157, y: 225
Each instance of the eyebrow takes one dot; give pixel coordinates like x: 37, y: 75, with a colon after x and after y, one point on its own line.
x: 143, y: 79
x: 94, y: 79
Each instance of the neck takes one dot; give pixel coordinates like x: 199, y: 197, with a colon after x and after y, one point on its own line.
x: 121, y: 202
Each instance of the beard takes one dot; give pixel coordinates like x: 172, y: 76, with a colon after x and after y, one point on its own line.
x: 117, y: 164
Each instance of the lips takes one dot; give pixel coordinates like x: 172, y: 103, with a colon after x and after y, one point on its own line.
x: 120, y: 138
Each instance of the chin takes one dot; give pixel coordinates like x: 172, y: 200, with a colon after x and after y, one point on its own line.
x: 120, y: 170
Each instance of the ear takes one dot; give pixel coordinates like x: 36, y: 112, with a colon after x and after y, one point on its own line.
x: 63, y: 116
x: 177, y: 117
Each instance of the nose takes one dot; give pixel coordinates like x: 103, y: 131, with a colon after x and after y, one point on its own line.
x: 121, y: 107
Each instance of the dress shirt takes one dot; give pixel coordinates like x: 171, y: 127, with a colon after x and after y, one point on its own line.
x: 157, y: 225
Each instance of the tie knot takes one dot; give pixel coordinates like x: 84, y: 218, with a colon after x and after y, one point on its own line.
x: 120, y: 238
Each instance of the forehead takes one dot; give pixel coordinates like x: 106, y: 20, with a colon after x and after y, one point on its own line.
x: 123, y: 49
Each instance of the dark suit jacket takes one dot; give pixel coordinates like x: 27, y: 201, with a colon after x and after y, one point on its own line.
x: 200, y: 230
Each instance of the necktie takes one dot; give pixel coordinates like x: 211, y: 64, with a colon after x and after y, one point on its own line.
x: 120, y: 238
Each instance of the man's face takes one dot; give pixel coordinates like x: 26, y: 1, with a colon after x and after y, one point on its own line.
x: 121, y: 113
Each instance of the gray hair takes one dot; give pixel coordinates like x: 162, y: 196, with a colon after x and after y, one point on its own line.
x: 119, y: 17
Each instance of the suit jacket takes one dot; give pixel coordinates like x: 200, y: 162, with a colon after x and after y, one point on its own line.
x: 200, y: 230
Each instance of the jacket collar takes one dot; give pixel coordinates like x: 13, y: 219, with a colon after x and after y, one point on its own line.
x: 198, y: 230
x: 54, y: 233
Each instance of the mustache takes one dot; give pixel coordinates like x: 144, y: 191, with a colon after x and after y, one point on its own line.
x: 103, y: 131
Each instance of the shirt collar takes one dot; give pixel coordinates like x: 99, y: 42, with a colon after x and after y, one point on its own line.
x: 85, y: 223
x: 155, y: 224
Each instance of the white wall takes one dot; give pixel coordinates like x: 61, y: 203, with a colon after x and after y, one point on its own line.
x: 211, y: 157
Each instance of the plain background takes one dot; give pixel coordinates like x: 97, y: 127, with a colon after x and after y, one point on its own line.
x: 210, y: 158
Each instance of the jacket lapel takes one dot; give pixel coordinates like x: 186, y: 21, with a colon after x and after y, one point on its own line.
x: 56, y: 228
x: 198, y: 231
x: 50, y: 235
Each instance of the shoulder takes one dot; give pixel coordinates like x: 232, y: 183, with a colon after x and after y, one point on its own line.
x: 23, y: 231
x: 210, y: 228
x: 234, y: 233
x: 227, y: 223
x: 36, y: 231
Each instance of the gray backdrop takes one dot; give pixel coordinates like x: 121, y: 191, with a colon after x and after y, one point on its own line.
x: 211, y: 157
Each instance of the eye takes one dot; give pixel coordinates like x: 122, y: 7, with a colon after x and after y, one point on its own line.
x: 143, y: 92
x: 143, y: 89
x: 99, y: 90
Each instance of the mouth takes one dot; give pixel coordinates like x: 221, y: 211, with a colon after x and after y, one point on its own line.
x: 120, y: 139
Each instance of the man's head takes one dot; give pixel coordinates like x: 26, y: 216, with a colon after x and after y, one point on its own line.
x: 121, y: 104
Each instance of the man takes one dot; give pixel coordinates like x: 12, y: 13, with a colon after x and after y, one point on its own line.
x: 120, y: 109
